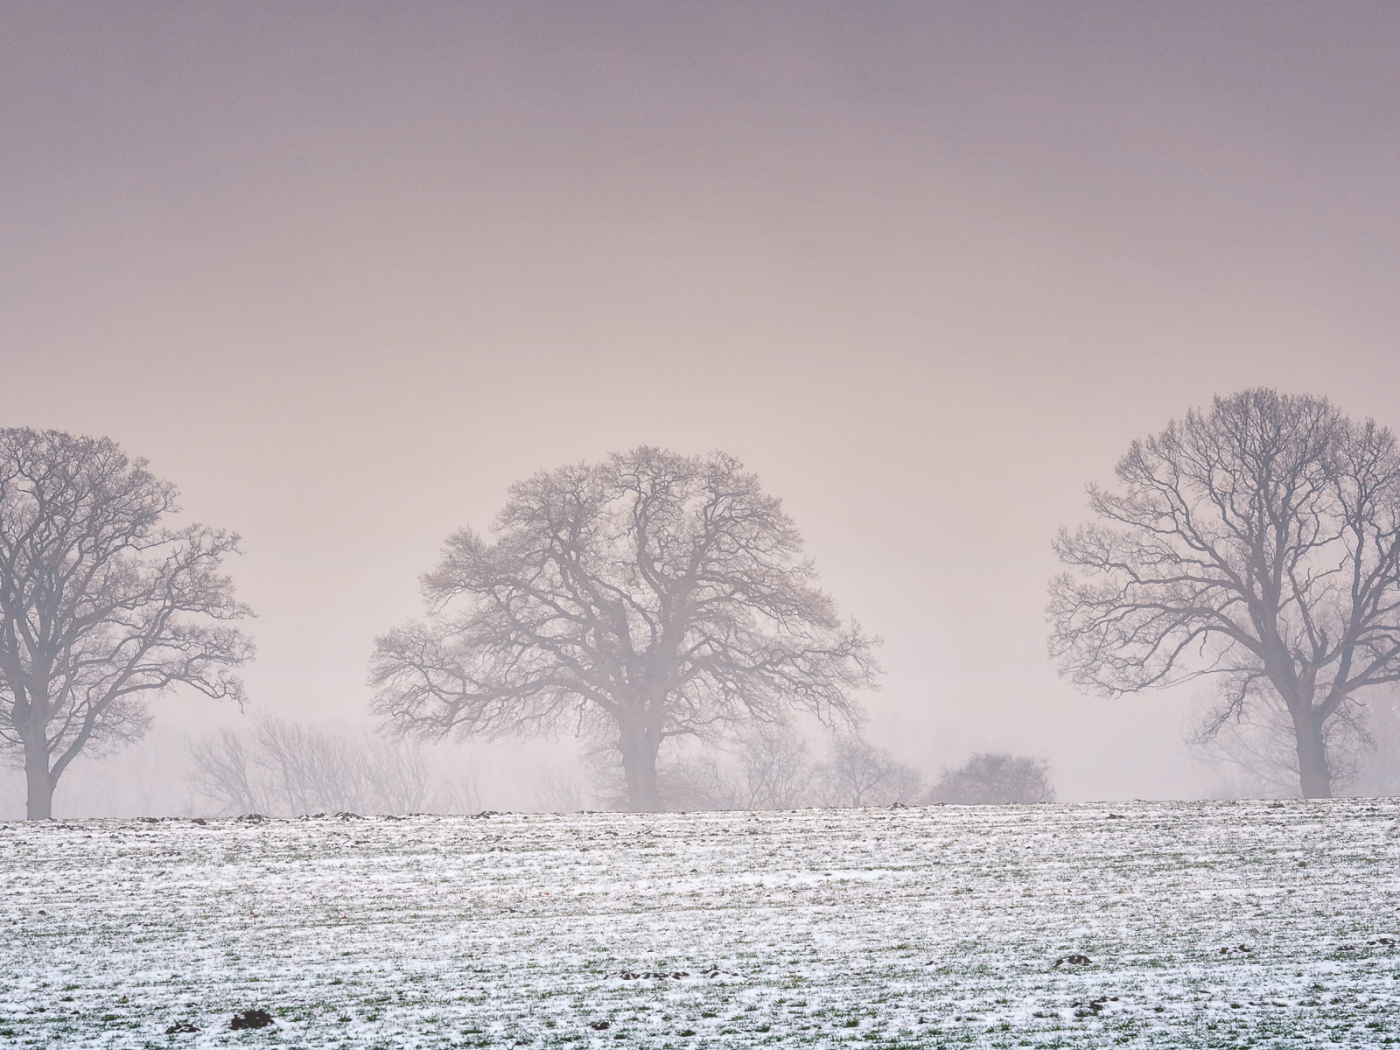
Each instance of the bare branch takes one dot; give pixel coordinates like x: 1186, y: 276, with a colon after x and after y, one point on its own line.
x: 659, y: 594
x: 1258, y: 543
x: 100, y: 605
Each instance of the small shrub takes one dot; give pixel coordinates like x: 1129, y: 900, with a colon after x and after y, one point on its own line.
x: 995, y: 780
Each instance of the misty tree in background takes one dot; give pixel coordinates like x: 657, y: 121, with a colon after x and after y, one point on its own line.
x: 775, y: 768
x: 1258, y: 746
x: 765, y: 766
x: 989, y: 779
x: 1257, y: 543
x: 762, y: 766
x: 287, y: 768
x: 101, y: 606
x: 1257, y: 749
x: 1378, y: 767
x: 649, y: 597
x: 857, y: 773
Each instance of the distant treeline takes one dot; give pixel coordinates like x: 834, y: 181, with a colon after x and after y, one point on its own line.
x: 282, y: 767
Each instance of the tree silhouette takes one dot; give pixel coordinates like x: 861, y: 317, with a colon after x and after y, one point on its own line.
x: 647, y: 597
x: 100, y: 605
x: 1257, y: 543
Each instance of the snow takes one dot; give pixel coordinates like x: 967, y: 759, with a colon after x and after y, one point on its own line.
x: 1206, y: 924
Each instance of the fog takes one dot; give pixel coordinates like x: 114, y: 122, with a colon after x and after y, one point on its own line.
x: 344, y: 274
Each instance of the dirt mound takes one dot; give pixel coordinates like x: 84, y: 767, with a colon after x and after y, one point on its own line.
x: 251, y: 1019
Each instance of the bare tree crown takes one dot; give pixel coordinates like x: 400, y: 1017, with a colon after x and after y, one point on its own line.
x: 661, y: 594
x: 1260, y: 542
x: 100, y: 604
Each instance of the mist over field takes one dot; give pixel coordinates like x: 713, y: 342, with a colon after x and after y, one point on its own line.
x: 699, y: 525
x: 346, y: 275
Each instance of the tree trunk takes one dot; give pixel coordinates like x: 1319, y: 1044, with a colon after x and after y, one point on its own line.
x: 1314, y: 777
x: 639, y: 747
x: 39, y: 803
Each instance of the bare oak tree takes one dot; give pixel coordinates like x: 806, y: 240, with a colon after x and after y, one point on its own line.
x: 100, y: 605
x: 651, y: 596
x: 1258, y: 543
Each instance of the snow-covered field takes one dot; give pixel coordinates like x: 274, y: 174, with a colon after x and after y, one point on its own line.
x: 1205, y: 924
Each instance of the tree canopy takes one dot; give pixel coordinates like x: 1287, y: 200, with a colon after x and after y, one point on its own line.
x: 649, y: 596
x: 101, y: 605
x: 1257, y: 543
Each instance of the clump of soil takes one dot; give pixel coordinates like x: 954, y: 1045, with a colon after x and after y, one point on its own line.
x: 251, y: 1019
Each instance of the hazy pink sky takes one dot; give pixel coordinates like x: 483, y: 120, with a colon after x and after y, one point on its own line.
x: 343, y: 272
